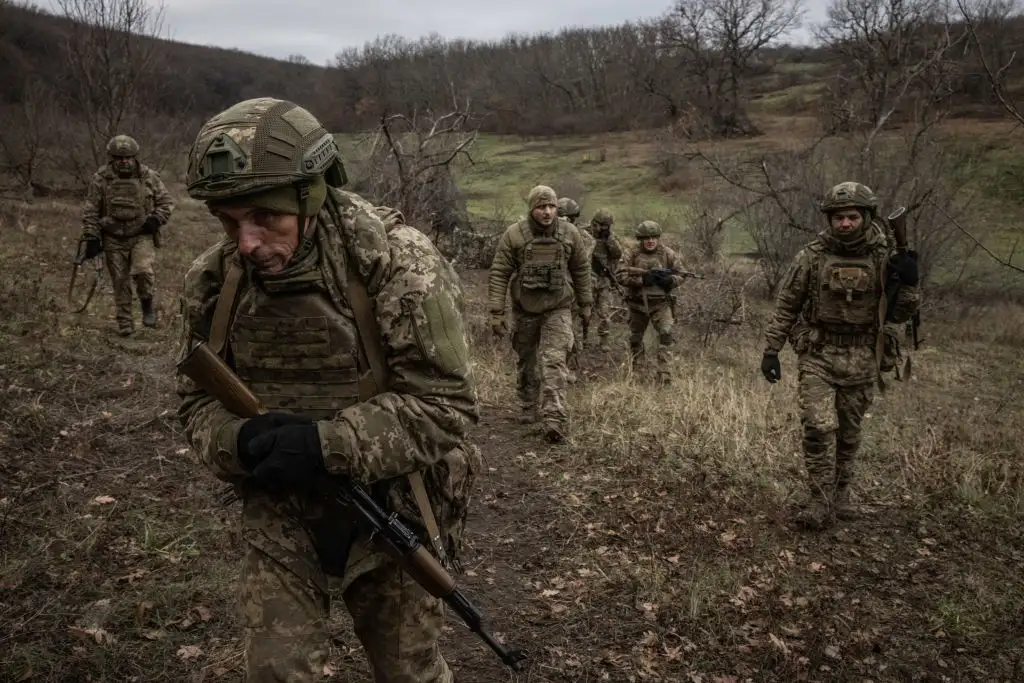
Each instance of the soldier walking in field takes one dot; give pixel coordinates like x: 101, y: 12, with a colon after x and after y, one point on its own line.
x: 604, y: 260
x: 833, y: 309
x: 569, y: 209
x: 125, y: 208
x: 649, y: 273
x: 544, y: 258
x: 348, y: 325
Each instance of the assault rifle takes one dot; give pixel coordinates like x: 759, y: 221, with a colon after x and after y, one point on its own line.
x: 210, y: 372
x: 91, y: 287
x: 601, y: 268
x: 897, y: 220
x: 668, y: 271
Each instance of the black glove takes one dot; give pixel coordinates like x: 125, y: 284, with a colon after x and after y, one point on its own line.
x: 904, y: 264
x: 151, y: 226
x: 604, y: 233
x: 650, y: 278
x: 257, y: 426
x: 665, y: 280
x: 290, y: 457
x: 93, y: 247
x: 771, y: 368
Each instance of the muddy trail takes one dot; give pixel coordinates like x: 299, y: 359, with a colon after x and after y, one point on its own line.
x: 118, y: 561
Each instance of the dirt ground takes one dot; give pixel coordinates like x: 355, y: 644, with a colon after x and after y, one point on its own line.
x: 654, y: 546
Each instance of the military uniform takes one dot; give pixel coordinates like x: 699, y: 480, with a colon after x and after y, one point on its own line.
x: 569, y: 209
x: 548, y: 270
x: 125, y: 208
x: 832, y: 307
x: 293, y: 337
x: 604, y: 260
x: 649, y: 294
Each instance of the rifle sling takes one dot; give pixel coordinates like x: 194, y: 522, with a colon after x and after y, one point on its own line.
x: 373, y: 351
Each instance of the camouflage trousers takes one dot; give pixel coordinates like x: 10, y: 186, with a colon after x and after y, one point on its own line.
x: 129, y: 259
x: 542, y: 342
x: 661, y: 318
x: 603, y: 309
x: 831, y: 417
x: 285, y: 605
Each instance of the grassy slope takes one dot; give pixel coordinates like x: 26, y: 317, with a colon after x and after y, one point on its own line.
x: 653, y: 548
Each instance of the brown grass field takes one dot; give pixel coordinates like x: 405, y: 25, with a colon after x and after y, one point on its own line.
x: 654, y: 546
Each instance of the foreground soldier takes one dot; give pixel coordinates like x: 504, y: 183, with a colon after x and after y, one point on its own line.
x: 125, y: 208
x: 546, y: 261
x: 644, y: 272
x: 281, y: 298
x: 828, y: 308
x: 570, y: 211
x: 607, y: 252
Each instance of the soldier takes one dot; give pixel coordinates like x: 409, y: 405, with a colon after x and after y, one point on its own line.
x: 607, y: 252
x: 828, y: 308
x: 645, y: 273
x: 570, y: 211
x: 545, y: 259
x: 312, y: 296
x: 125, y: 208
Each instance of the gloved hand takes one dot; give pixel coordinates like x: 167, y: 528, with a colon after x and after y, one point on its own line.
x: 259, y: 425
x: 585, y: 313
x: 604, y: 233
x: 665, y: 279
x: 771, y: 368
x: 904, y: 264
x: 498, y: 326
x: 151, y: 226
x: 651, y: 278
x: 289, y: 456
x: 93, y: 247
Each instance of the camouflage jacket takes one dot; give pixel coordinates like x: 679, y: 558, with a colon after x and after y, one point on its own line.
x: 608, y: 251
x: 431, y: 401
x: 157, y: 201
x: 509, y: 260
x: 631, y: 269
x: 836, y: 337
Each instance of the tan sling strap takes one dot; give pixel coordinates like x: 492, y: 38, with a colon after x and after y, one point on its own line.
x: 225, y: 308
x: 369, y: 334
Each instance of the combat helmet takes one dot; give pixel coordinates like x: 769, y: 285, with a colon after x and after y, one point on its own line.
x: 568, y: 208
x: 260, y: 144
x: 648, y: 229
x: 122, y: 146
x: 850, y: 195
x: 603, y: 217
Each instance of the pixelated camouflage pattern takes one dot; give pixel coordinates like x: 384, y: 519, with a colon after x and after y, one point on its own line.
x: 802, y: 302
x: 664, y: 322
x: 647, y: 229
x: 156, y: 201
x: 577, y: 346
x: 508, y: 262
x: 419, y: 423
x: 122, y: 146
x: 542, y: 343
x: 642, y: 297
x: 129, y: 260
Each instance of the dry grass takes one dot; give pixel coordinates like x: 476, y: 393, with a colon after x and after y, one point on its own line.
x: 654, y: 547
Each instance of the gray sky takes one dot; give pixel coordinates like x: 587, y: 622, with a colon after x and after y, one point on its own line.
x: 318, y: 29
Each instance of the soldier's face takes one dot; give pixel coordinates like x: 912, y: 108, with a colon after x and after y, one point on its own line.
x: 544, y: 214
x: 123, y: 164
x: 649, y: 243
x: 264, y: 238
x: 846, y: 222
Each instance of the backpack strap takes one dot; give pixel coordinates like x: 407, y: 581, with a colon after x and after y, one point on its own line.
x: 224, y: 311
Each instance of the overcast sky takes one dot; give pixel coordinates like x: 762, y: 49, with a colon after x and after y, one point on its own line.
x: 319, y: 29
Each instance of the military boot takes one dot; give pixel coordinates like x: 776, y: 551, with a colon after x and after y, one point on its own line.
x: 844, y: 507
x: 815, y: 512
x: 554, y: 433
x: 148, y: 313
x: 125, y: 327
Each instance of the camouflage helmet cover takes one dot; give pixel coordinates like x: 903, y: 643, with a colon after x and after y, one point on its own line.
x: 850, y: 195
x: 603, y: 217
x: 259, y: 144
x: 648, y: 229
x: 122, y: 146
x: 567, y: 207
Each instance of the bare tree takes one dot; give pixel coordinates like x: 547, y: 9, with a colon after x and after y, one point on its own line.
x: 27, y: 128
x: 410, y: 166
x: 992, y: 26
x: 717, y: 43
x: 111, y: 52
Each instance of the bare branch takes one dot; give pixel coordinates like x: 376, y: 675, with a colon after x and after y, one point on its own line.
x: 1005, y: 263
